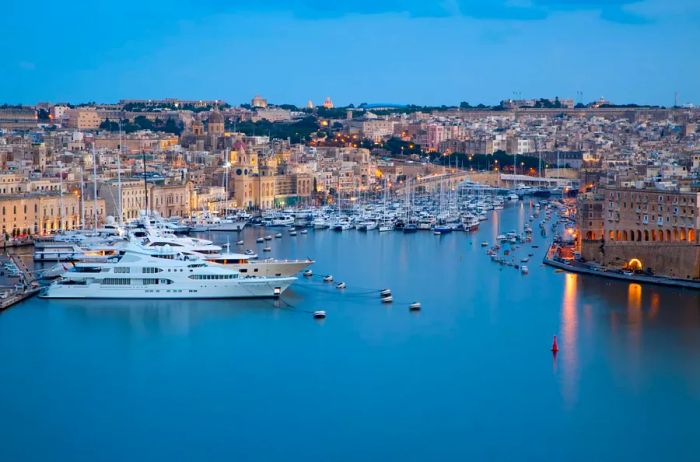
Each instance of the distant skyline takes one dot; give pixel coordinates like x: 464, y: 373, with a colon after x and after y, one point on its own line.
x: 418, y: 52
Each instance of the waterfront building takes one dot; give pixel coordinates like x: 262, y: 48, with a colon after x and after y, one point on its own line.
x: 168, y: 200
x: 172, y: 200
x: 642, y: 229
x: 42, y: 213
x: 133, y: 197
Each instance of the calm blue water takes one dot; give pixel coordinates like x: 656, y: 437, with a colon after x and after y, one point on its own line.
x: 469, y: 377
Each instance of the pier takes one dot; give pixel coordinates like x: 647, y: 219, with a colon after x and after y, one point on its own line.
x: 27, y: 286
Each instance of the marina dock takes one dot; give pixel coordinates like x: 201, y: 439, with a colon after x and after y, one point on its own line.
x: 13, y: 296
x: 25, y: 288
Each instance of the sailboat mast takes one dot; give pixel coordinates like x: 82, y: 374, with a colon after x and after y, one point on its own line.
x: 145, y: 183
x: 94, y: 184
x: 119, y: 175
x: 82, y: 200
x: 61, y: 214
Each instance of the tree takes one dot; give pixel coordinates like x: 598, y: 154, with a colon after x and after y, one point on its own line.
x: 143, y: 123
x: 109, y: 125
x: 172, y: 126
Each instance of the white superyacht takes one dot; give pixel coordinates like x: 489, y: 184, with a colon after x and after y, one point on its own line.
x: 140, y: 273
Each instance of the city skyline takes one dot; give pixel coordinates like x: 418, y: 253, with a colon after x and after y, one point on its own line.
x: 374, y: 52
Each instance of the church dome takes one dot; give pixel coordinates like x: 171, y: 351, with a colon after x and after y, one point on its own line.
x: 215, y: 117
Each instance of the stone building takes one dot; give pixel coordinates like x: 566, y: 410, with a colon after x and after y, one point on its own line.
x: 168, y: 200
x: 18, y: 118
x: 82, y: 119
x: 171, y: 200
x: 43, y: 213
x: 133, y: 198
x: 645, y: 229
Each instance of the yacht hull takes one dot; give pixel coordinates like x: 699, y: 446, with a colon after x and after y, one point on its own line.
x: 239, y: 288
x: 235, y: 226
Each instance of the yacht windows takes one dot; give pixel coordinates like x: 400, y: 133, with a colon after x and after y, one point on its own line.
x: 210, y: 277
x: 196, y: 265
x: 71, y: 282
x: 151, y: 270
x: 154, y: 281
x: 86, y: 269
x: 122, y: 269
x: 116, y: 281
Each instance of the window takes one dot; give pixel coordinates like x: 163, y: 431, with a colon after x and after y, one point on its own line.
x: 122, y: 269
x: 212, y: 277
x: 116, y: 282
x: 150, y: 270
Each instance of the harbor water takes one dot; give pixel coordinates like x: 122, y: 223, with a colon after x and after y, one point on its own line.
x: 468, y: 377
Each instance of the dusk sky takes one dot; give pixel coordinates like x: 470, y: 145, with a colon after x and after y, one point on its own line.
x: 390, y: 51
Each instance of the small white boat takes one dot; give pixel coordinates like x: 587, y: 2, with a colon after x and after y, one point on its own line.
x: 387, y: 299
x: 260, y: 240
x: 319, y: 314
x: 308, y: 273
x: 250, y: 252
x: 278, y: 235
x: 415, y: 306
x: 292, y: 233
x: 523, y: 269
x: 268, y: 238
x: 267, y: 249
x: 385, y: 293
x: 340, y: 285
x: 240, y: 243
x: 328, y: 278
x: 484, y: 244
x: 304, y: 231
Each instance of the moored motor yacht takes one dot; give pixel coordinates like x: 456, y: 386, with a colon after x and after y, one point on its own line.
x: 140, y: 273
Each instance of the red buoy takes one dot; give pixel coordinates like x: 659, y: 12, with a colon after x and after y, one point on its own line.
x: 555, y: 347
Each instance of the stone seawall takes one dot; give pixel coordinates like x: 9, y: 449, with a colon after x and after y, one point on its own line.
x: 677, y: 260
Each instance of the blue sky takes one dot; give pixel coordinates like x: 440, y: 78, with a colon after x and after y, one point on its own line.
x: 423, y: 52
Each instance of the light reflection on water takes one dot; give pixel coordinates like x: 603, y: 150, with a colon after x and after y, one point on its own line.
x: 570, y: 328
